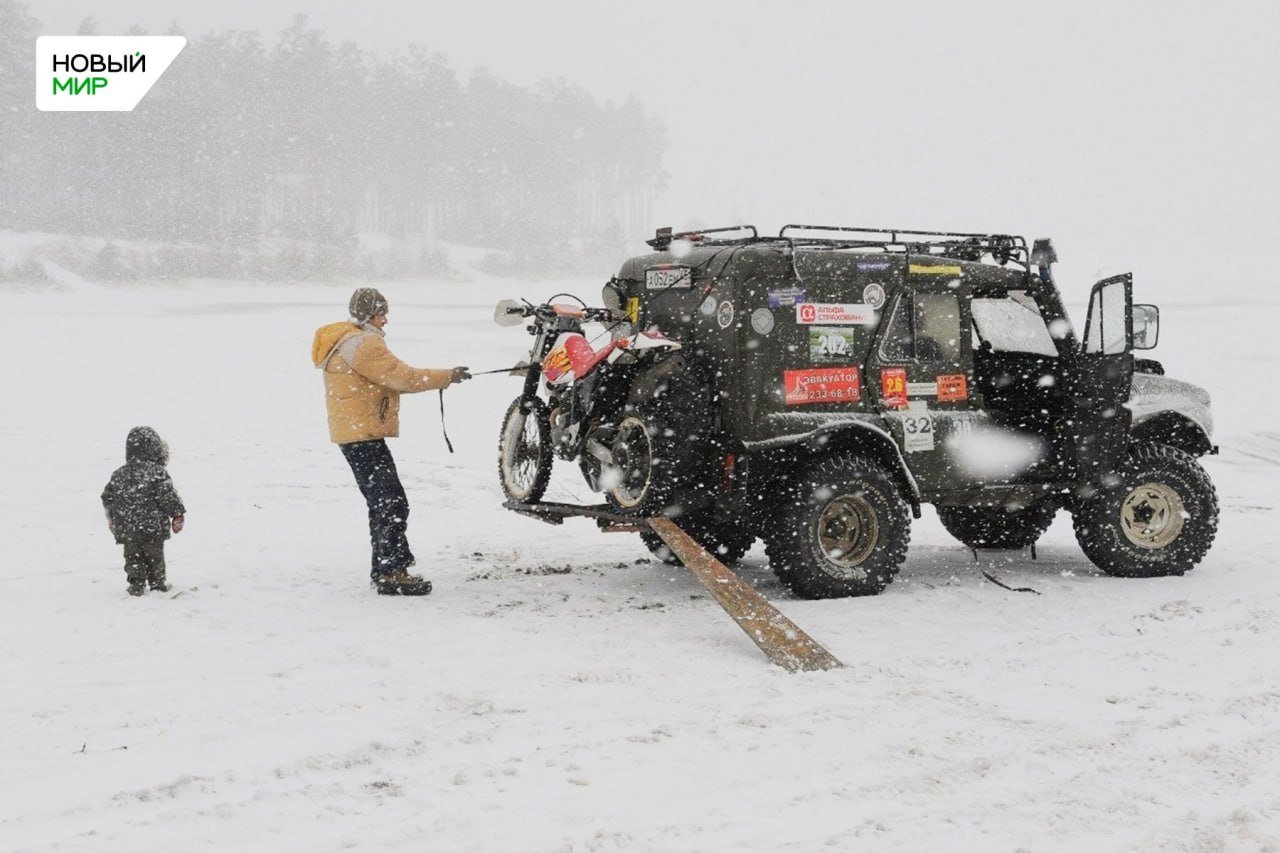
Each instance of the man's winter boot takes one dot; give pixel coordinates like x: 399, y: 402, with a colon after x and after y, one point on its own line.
x: 136, y: 589
x: 400, y: 582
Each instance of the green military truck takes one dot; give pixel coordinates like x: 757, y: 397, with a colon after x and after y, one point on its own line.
x: 833, y: 380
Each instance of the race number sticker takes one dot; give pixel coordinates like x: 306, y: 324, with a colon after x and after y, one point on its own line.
x: 822, y: 385
x: 856, y: 314
x: 830, y: 343
x: 893, y: 387
x: 953, y: 388
x: 917, y: 429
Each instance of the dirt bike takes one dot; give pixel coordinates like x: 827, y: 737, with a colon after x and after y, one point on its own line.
x: 586, y: 415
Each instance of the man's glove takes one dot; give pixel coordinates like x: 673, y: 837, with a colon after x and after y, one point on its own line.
x: 460, y: 374
x: 178, y: 521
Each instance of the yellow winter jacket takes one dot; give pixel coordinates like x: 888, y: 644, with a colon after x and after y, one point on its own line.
x: 363, y: 382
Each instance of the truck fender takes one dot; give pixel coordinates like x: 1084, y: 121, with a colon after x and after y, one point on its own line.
x: 878, y: 443
x: 1174, y: 429
x: 854, y: 435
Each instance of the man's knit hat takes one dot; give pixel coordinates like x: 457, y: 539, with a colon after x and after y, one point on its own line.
x: 367, y: 303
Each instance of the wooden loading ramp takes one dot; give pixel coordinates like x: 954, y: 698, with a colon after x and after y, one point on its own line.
x: 781, y: 640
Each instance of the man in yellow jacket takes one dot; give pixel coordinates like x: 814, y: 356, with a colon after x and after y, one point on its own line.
x: 363, y: 382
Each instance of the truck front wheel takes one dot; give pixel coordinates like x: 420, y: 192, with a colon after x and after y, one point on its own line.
x: 1158, y: 518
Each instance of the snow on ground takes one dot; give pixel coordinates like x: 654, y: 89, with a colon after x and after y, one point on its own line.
x: 559, y: 691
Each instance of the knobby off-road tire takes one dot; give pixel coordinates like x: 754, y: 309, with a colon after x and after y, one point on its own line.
x: 1159, y: 518
x: 727, y: 541
x: 658, y: 452
x: 997, y: 526
x: 524, y: 451
x: 843, y: 532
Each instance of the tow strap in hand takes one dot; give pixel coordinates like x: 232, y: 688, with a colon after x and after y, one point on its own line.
x: 447, y: 442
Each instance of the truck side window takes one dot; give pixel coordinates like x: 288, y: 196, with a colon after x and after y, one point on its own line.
x: 924, y: 327
x: 1011, y: 323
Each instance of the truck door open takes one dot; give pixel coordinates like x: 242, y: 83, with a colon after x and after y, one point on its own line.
x: 1099, y: 418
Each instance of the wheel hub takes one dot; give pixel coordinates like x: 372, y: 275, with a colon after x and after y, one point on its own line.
x: 632, y: 463
x: 522, y: 452
x: 1152, y: 515
x: 848, y: 530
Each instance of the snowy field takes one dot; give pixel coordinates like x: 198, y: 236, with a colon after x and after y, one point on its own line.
x: 559, y: 691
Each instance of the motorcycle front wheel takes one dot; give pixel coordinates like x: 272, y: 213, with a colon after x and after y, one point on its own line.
x: 524, y: 450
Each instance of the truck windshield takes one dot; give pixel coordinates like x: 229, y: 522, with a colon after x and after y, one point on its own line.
x: 1011, y: 323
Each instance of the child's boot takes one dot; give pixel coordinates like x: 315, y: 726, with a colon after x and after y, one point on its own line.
x: 136, y: 588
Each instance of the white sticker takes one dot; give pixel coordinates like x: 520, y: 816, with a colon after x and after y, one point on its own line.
x: 724, y: 314
x: 873, y: 295
x: 917, y: 428
x: 762, y: 321
x: 708, y: 306
x: 922, y: 389
x: 858, y: 314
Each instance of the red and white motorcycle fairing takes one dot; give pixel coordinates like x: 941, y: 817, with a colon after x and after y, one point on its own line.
x: 572, y: 357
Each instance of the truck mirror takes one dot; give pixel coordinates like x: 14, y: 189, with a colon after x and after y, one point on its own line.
x: 1146, y: 326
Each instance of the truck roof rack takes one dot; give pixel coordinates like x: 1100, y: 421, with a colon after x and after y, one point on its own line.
x: 1002, y: 248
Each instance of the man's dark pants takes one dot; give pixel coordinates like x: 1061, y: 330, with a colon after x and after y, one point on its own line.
x: 376, y: 475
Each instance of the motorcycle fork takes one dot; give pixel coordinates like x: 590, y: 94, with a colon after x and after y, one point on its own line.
x: 538, y: 353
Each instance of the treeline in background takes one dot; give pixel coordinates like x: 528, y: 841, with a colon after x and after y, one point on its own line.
x: 310, y: 158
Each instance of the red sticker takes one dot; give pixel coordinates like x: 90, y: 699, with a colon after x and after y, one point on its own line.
x: 952, y: 388
x: 893, y: 387
x: 822, y: 385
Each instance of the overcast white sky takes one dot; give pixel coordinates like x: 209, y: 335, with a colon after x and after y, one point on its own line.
x: 1127, y: 128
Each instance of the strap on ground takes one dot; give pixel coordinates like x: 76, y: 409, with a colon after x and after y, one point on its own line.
x: 778, y: 637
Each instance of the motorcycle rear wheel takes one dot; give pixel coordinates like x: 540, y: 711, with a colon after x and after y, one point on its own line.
x: 524, y: 450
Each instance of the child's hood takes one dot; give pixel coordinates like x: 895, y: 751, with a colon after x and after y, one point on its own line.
x: 145, y: 445
x: 328, y: 337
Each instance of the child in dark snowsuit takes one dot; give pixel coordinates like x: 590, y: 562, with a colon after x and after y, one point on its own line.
x: 142, y: 507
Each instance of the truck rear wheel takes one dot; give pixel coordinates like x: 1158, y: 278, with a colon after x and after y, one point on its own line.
x: 845, y: 533
x: 1159, y: 518
x: 997, y: 526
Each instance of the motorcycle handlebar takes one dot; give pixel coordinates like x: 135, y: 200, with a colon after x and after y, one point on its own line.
x: 604, y: 315
x: 550, y: 311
